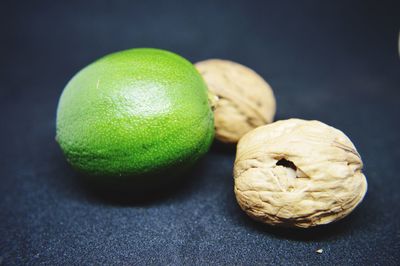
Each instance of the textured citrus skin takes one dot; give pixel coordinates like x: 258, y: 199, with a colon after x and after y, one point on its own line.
x: 134, y: 113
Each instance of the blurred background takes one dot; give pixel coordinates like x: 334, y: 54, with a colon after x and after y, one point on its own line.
x: 335, y: 61
x: 325, y: 49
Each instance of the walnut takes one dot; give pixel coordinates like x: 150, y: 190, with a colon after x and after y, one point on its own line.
x: 298, y: 173
x: 244, y: 100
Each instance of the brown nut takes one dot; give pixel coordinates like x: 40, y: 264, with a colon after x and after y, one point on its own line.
x: 298, y: 173
x: 244, y: 100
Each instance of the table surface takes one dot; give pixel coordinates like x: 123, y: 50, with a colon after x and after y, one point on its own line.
x: 334, y: 61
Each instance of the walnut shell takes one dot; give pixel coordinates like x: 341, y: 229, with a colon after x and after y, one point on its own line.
x: 244, y: 99
x: 298, y: 173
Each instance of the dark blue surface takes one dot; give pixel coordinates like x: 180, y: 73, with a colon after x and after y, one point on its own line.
x: 334, y: 61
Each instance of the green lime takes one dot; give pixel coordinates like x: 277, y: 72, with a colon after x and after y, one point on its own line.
x: 135, y: 113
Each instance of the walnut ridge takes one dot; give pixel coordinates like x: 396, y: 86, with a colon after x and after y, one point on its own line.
x: 298, y: 173
x: 244, y: 100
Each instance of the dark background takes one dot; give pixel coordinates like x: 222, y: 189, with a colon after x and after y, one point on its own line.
x: 335, y: 61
